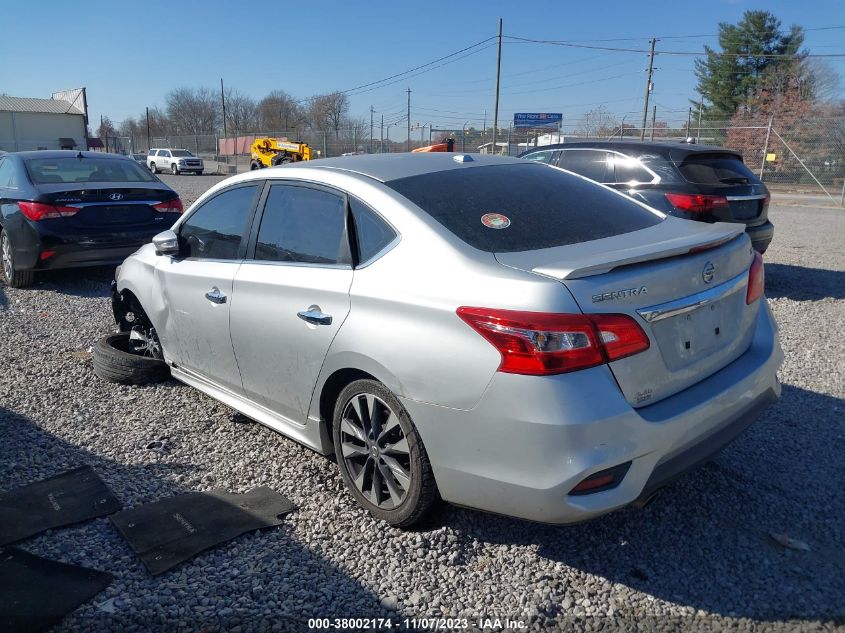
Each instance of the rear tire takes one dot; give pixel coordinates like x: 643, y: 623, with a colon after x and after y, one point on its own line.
x: 114, y: 363
x: 383, y: 453
x: 13, y: 278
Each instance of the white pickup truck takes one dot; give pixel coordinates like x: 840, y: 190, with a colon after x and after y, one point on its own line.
x: 176, y: 161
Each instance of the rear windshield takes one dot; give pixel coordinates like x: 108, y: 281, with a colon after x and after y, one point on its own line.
x: 44, y: 171
x: 522, y: 207
x: 716, y: 169
x: 180, y: 153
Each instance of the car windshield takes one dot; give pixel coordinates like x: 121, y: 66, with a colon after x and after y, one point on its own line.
x: 716, y: 169
x: 45, y: 171
x: 522, y: 207
x: 180, y: 153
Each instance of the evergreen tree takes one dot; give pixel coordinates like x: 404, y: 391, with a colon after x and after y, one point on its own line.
x: 727, y: 78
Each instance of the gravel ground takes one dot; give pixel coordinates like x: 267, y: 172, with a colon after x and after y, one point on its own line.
x: 699, y: 557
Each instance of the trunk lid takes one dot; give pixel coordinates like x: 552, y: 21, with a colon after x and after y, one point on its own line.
x: 691, y: 305
x: 104, y: 205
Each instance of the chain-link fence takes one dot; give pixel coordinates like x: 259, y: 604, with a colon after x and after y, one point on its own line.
x: 805, y: 153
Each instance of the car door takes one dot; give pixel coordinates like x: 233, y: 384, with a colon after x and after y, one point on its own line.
x: 197, y: 285
x: 166, y: 159
x: 291, y: 295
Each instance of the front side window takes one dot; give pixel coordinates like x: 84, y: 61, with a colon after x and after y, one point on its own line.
x: 542, y: 157
x: 164, y: 153
x: 215, y: 229
x: 303, y: 225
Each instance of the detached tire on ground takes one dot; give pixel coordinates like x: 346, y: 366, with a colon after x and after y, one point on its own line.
x: 114, y: 362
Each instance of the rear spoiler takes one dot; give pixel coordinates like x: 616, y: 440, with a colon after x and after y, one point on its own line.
x: 670, y: 238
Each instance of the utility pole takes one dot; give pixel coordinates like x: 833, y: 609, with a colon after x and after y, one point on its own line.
x: 496, y: 103
x: 648, y: 88
x: 653, y: 120
x: 689, y: 120
x: 371, y: 129
x: 408, y: 142
x: 149, y: 139
x: 381, y: 141
x: 700, y: 108
x: 223, y: 99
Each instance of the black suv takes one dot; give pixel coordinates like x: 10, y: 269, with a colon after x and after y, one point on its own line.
x: 697, y: 182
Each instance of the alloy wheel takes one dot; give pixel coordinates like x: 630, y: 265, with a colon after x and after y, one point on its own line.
x: 6, y: 248
x: 375, y: 451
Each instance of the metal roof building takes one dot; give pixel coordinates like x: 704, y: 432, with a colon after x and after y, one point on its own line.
x: 57, y: 123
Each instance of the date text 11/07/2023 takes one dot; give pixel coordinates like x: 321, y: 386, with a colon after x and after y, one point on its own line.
x: 428, y: 624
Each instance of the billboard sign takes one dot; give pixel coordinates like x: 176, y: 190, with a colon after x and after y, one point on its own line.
x: 537, y: 119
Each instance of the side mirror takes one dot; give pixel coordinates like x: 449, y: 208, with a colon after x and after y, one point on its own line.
x: 166, y: 243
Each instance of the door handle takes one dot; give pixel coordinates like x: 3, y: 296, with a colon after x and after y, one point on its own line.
x: 313, y: 315
x: 215, y: 296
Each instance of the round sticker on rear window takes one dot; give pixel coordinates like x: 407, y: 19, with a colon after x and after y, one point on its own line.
x: 495, y: 221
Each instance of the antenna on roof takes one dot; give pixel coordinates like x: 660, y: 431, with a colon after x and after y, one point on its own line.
x: 79, y: 155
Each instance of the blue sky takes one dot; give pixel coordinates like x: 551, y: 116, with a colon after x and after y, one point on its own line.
x: 130, y: 54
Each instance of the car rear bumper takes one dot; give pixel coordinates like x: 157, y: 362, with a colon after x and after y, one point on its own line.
x: 761, y: 236
x: 42, y: 250
x: 531, y: 439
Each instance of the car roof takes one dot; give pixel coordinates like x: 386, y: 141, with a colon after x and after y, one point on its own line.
x: 387, y: 167
x: 67, y: 153
x: 675, y: 150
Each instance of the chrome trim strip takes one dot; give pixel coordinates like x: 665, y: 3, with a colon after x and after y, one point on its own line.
x: 754, y: 197
x: 110, y: 203
x: 693, y: 302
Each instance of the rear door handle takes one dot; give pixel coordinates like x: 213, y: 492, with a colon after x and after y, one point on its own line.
x: 215, y: 296
x: 315, y: 316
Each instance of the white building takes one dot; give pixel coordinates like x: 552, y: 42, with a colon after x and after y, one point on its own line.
x: 57, y: 123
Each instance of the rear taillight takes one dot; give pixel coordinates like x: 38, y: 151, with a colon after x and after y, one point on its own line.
x: 696, y: 202
x: 539, y: 343
x: 170, y: 206
x: 756, y: 279
x: 36, y: 211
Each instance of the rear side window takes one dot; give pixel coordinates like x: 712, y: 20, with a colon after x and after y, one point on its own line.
x: 716, y: 169
x: 215, y: 229
x: 44, y: 171
x: 303, y: 225
x: 593, y: 164
x: 532, y: 206
x: 629, y: 171
x: 371, y: 232
x: 7, y: 174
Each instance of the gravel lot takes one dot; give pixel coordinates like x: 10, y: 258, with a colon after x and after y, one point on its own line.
x: 699, y: 557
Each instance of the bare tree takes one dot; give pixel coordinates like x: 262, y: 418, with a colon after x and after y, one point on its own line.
x: 597, y: 122
x: 193, y: 110
x: 356, y: 133
x: 328, y: 111
x: 106, y: 128
x: 279, y: 111
x: 241, y: 112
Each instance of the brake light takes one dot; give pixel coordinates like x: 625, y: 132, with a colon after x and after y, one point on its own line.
x: 170, y: 206
x: 696, y: 202
x: 36, y: 211
x: 539, y: 343
x: 756, y: 280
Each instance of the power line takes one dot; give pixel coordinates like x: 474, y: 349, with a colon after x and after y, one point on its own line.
x: 527, y: 40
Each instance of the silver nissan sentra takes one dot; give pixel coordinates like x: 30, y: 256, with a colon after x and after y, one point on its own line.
x: 502, y: 334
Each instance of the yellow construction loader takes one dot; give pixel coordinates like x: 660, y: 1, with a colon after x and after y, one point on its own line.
x: 269, y: 152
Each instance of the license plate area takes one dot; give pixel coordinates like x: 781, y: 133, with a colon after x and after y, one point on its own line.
x: 745, y: 209
x: 690, y: 337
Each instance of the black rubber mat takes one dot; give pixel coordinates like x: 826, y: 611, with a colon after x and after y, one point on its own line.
x: 36, y: 593
x: 74, y: 496
x: 168, y: 532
